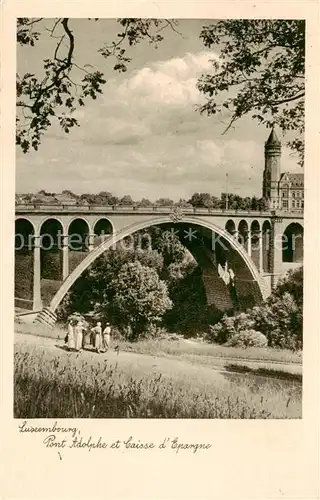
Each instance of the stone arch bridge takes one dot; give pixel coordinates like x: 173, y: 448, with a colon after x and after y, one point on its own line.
x: 241, y: 254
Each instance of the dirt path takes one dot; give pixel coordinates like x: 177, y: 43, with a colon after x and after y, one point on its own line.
x: 138, y: 364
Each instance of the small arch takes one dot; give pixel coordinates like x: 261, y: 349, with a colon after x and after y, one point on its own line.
x: 51, y: 241
x: 102, y: 227
x: 78, y: 235
x: 51, y: 232
x: 24, y: 234
x: 266, y: 246
x: 50, y: 218
x: 292, y: 243
x: 243, y: 232
x: 23, y: 265
x: 230, y: 226
x: 255, y: 226
x: 255, y: 242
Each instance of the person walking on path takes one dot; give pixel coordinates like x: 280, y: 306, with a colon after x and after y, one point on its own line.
x: 107, y: 337
x: 79, y: 335
x: 97, y: 337
x: 71, y: 336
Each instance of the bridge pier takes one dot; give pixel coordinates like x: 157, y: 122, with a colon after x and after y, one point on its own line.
x: 260, y: 252
x: 91, y: 240
x: 65, y: 257
x: 37, y: 301
x: 276, y: 251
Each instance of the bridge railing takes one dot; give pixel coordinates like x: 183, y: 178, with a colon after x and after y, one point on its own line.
x: 58, y: 208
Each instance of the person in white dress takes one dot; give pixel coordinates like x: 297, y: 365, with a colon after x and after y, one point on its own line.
x: 71, y: 340
x: 79, y: 335
x: 107, y: 337
x: 97, y: 337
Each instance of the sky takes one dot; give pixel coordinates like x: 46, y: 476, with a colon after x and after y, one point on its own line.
x: 144, y: 136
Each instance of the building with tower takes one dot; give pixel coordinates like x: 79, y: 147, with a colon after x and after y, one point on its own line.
x: 283, y: 191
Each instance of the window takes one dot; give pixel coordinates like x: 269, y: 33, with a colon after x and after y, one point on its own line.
x: 293, y: 194
x: 293, y: 204
x: 302, y: 204
x: 285, y: 203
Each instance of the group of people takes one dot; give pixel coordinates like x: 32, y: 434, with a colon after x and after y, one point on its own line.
x: 78, y: 337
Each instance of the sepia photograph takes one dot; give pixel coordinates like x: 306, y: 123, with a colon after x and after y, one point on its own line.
x: 159, y: 218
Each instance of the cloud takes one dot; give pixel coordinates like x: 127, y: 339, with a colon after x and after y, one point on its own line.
x: 144, y: 138
x: 172, y: 82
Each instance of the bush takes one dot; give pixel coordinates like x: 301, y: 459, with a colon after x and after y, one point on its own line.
x: 154, y: 331
x: 223, y: 331
x: 248, y: 338
x: 279, y: 320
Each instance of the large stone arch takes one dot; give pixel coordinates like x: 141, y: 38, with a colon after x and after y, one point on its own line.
x: 138, y: 226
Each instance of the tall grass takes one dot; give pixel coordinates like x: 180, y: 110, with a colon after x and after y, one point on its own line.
x: 51, y: 386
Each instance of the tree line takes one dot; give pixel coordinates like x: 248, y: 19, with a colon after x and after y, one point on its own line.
x: 200, y: 200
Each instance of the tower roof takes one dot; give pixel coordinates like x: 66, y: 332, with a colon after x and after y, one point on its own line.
x: 273, y: 139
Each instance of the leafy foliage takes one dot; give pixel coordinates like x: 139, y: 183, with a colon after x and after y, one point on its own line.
x: 140, y: 298
x: 248, y: 338
x: 260, y: 72
x: 58, y: 92
x: 279, y: 319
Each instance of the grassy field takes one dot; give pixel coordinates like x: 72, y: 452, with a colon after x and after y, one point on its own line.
x: 53, y: 383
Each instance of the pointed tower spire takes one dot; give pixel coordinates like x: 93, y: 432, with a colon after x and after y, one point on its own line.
x: 273, y: 139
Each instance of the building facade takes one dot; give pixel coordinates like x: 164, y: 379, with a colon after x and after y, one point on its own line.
x: 283, y: 191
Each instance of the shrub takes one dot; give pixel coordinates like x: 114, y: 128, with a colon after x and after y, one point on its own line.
x: 154, y: 331
x: 292, y: 283
x: 228, y: 327
x: 140, y: 298
x: 248, y: 338
x: 222, y: 331
x: 279, y: 319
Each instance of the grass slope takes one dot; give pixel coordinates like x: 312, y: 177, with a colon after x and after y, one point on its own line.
x: 53, y: 383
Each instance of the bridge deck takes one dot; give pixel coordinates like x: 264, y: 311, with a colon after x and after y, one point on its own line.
x: 132, y: 209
